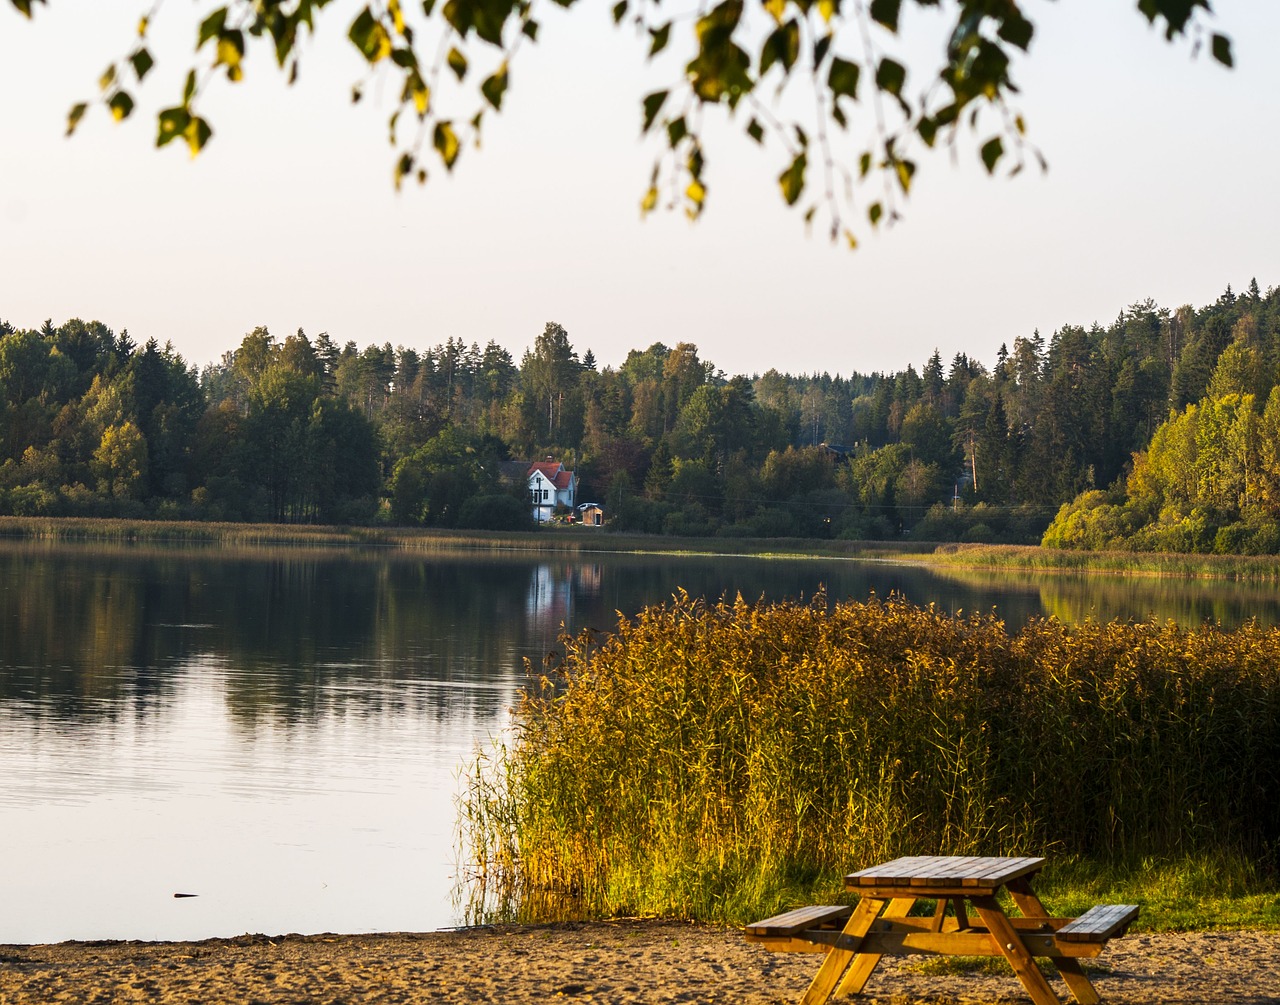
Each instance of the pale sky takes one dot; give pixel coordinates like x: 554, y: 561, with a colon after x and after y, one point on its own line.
x: 1160, y: 185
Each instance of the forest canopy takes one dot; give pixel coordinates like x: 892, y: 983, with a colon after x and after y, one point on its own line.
x: 1159, y: 430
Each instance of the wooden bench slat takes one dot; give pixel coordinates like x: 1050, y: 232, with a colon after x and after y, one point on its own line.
x: 788, y: 924
x: 1100, y: 923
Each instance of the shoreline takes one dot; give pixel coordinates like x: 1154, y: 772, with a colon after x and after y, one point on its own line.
x: 626, y: 962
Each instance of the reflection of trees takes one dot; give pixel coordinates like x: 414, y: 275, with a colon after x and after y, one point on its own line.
x: 296, y: 634
x: 1076, y: 598
x: 1189, y: 604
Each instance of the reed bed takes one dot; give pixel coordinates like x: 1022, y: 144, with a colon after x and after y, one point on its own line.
x: 1236, y: 568
x: 717, y: 761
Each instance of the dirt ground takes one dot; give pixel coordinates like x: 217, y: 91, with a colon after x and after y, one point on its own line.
x: 599, y: 962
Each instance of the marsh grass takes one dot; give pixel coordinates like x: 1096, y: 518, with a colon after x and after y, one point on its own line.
x: 718, y: 762
x: 1235, y: 568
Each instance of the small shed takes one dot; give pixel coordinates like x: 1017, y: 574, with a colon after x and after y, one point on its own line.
x: 591, y: 515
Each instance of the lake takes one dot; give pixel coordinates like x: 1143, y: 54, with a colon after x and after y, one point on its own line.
x: 279, y: 732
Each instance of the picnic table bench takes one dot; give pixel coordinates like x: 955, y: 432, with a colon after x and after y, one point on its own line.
x: 855, y: 938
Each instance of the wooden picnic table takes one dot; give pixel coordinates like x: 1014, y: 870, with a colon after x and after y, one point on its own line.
x: 855, y: 938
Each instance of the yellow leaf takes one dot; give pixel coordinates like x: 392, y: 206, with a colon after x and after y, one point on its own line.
x: 650, y: 200
x: 777, y: 8
x: 142, y: 27
x: 397, y: 15
x: 827, y: 8
x: 228, y: 53
x: 696, y: 192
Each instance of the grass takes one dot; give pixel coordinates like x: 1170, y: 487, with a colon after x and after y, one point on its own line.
x: 581, y: 540
x: 719, y: 762
x: 1236, y: 568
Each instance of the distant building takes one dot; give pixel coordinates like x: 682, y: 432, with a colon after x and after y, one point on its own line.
x: 591, y: 514
x: 550, y: 485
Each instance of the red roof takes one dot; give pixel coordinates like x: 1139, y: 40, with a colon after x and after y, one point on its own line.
x: 553, y: 472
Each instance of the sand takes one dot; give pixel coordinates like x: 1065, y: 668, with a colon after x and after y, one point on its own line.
x: 598, y: 962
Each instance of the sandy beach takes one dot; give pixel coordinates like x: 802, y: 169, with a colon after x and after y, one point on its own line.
x: 598, y: 962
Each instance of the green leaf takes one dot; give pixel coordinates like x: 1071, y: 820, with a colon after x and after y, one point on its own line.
x: 891, y: 76
x: 864, y: 165
x: 1221, y: 47
x: 74, y: 116
x: 495, y: 86
x: 661, y: 35
x: 992, y: 151
x: 108, y: 77
x: 211, y: 27
x: 843, y: 78
x: 755, y: 131
x: 676, y: 131
x: 530, y: 28
x: 457, y: 63
x: 121, y: 105
x: 1016, y: 29
x: 905, y: 171
x: 886, y: 12
x: 142, y: 63
x: 820, y: 48
x: 874, y: 212
x: 403, y: 167
x: 782, y: 46
x: 189, y: 89
x: 445, y: 141
x: 619, y: 11
x: 792, y: 180
x: 652, y: 106
x: 172, y: 123
x: 197, y: 134
x: 370, y: 37
x: 428, y: 6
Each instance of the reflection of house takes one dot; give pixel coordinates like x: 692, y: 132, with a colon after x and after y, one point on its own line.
x: 591, y: 514
x: 550, y: 485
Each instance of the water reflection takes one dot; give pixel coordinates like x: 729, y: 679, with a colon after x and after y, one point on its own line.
x: 280, y: 730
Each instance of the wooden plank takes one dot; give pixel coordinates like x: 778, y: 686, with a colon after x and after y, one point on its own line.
x: 1077, y: 980
x: 944, y: 871
x: 833, y: 966
x: 1015, y: 951
x: 864, y: 964
x: 785, y: 925
x: 1100, y: 923
x: 973, y: 942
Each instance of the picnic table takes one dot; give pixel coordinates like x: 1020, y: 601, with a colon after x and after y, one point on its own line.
x: 855, y: 938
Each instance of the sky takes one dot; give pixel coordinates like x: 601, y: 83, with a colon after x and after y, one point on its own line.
x: 1160, y: 184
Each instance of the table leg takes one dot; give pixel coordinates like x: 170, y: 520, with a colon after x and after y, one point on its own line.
x: 1030, y: 906
x: 865, y: 963
x: 837, y: 959
x: 1010, y: 944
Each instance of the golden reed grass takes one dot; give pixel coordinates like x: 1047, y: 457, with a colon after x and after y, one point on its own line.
x: 717, y: 761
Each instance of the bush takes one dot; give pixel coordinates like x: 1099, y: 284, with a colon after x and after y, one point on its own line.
x: 494, y: 512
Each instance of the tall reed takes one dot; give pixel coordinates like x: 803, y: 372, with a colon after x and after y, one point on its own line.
x: 715, y: 761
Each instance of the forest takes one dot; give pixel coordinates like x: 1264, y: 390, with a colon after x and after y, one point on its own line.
x: 1159, y: 431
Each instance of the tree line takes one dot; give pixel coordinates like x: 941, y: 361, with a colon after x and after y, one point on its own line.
x: 302, y: 429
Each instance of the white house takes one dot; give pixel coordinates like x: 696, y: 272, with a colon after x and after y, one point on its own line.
x: 550, y: 485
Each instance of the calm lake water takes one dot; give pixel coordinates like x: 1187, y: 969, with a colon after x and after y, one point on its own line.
x: 280, y: 731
